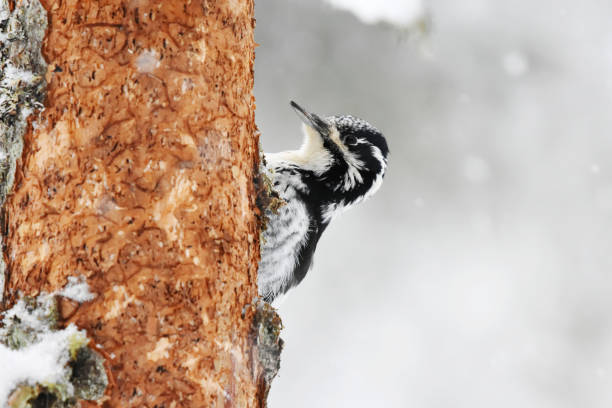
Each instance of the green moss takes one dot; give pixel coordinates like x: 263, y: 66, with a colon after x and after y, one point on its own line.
x: 18, y: 337
x: 75, y: 343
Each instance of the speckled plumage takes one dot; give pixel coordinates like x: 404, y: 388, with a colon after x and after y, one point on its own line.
x: 341, y: 162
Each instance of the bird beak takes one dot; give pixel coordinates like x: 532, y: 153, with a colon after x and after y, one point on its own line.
x: 312, y: 120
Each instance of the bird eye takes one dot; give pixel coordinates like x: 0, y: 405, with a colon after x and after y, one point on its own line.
x: 350, y: 140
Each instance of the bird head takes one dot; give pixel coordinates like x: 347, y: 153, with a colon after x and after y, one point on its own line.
x: 346, y: 153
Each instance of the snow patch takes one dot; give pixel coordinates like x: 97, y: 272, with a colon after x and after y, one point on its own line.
x: 45, y: 361
x: 34, y: 319
x: 401, y: 13
x: 15, y: 77
x: 77, y: 289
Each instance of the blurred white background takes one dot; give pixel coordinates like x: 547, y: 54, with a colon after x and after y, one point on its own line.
x: 480, y: 274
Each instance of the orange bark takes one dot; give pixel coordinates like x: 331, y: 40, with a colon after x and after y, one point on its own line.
x: 138, y: 176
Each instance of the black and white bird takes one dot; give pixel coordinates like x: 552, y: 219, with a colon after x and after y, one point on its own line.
x: 342, y: 161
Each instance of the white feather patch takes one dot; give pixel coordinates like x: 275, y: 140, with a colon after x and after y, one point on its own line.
x: 312, y: 155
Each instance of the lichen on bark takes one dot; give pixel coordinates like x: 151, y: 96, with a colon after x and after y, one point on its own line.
x: 22, y: 88
x: 268, y: 345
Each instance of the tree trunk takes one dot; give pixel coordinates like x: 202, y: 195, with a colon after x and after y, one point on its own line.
x: 138, y: 176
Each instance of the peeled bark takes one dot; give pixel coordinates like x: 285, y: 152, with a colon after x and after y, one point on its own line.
x: 138, y: 175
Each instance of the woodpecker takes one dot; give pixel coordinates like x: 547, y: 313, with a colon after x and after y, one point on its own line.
x: 342, y: 162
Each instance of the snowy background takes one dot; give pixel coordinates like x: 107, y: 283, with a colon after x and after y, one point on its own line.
x: 481, y: 274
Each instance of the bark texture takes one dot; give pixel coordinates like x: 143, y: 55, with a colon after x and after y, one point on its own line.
x: 138, y: 176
